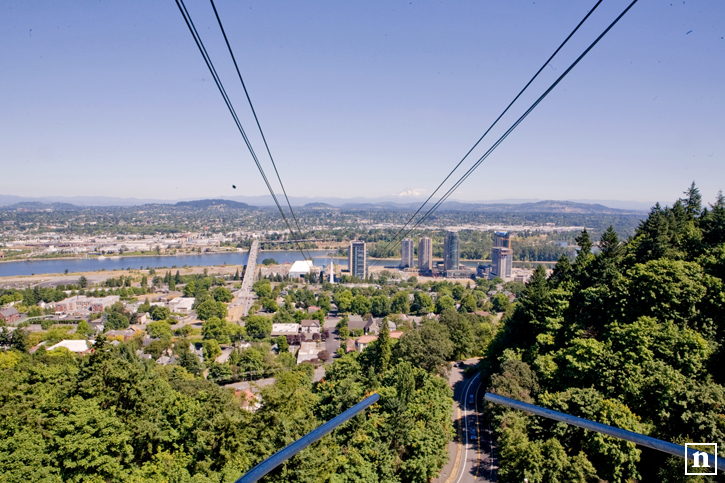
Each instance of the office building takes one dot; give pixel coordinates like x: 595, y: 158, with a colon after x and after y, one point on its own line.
x: 407, y: 249
x: 357, y: 259
x: 425, y: 254
x: 451, y: 250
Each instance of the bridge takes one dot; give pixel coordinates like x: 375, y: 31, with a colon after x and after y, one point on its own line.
x: 245, y: 294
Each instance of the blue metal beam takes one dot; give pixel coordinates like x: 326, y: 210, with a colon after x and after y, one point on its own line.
x: 658, y: 444
x: 287, y: 452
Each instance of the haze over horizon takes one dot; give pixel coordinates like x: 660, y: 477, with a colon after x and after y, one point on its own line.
x: 376, y: 100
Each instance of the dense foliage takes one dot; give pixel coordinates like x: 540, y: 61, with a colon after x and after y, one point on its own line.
x: 112, y: 417
x: 633, y: 337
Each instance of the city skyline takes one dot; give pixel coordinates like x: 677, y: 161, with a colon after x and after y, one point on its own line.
x: 115, y: 100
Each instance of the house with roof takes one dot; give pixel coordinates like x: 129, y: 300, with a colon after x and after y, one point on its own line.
x: 9, y: 315
x: 181, y: 305
x: 75, y: 346
x: 362, y: 342
x: 310, y: 326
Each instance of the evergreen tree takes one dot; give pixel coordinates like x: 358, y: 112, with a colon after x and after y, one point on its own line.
x: 21, y: 340
x: 584, y: 242
x: 692, y: 201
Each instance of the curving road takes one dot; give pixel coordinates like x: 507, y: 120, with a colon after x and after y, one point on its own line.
x: 471, y: 459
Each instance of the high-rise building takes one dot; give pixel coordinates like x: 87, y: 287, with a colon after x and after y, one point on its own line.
x: 425, y: 254
x: 357, y: 259
x: 502, y: 239
x: 451, y: 250
x: 502, y: 255
x: 407, y: 250
x: 501, y: 262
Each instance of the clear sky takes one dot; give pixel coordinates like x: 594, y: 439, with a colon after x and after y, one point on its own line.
x: 361, y: 98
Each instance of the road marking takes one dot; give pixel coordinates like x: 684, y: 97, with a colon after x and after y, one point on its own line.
x: 478, y: 430
x: 465, y: 401
x: 454, y: 470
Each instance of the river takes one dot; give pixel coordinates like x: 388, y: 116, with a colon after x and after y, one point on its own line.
x: 42, y: 266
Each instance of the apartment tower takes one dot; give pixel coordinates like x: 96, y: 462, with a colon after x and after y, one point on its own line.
x: 357, y: 259
x: 502, y: 255
x: 451, y: 251
x: 425, y: 254
x: 407, y: 249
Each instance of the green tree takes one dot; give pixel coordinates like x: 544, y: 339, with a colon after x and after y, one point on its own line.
x: 189, y: 289
x: 116, y: 321
x: 360, y: 305
x: 422, y: 303
x: 222, y: 294
x: 258, y: 326
x: 445, y: 303
x: 211, y: 308
x: 82, y: 282
x: 160, y: 329
x: 160, y: 313
x: 217, y: 329
x: 399, y: 303
x: 282, y: 344
x: 211, y: 350
x: 380, y: 306
x: 343, y: 300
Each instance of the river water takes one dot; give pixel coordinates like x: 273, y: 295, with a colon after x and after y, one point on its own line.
x: 42, y: 266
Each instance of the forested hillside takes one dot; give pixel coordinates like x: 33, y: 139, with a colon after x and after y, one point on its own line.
x: 112, y: 417
x: 632, y: 337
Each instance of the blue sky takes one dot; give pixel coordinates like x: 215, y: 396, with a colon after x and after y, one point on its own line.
x: 369, y: 98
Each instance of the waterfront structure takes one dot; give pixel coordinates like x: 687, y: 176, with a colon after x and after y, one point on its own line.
x: 425, y: 254
x: 357, y: 259
x: 451, y: 251
x: 300, y: 268
x: 407, y: 249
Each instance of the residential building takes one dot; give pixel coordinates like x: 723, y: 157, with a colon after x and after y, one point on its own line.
x: 407, y: 250
x: 451, y: 251
x: 425, y: 254
x: 362, y: 342
x: 310, y: 326
x: 502, y: 239
x: 83, y: 304
x: 501, y: 262
x: 9, y: 315
x: 357, y: 259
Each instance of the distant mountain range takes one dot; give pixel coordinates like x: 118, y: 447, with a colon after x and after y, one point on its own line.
x: 510, y: 206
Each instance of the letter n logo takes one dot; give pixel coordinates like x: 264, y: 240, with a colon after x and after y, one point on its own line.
x: 699, y: 458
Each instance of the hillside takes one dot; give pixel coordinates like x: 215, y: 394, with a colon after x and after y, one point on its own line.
x: 216, y: 204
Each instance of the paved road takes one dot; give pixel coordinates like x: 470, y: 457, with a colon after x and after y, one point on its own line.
x: 245, y: 296
x: 470, y: 460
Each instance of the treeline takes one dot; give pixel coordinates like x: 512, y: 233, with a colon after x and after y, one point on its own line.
x: 113, y: 417
x: 632, y: 337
